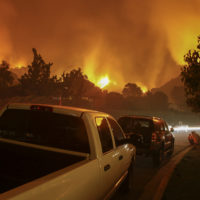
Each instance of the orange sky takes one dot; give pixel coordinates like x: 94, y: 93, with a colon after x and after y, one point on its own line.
x: 134, y: 41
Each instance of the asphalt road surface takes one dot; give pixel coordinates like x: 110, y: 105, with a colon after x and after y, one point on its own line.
x: 144, y: 170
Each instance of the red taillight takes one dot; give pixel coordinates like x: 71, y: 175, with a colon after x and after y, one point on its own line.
x: 41, y: 108
x: 153, y: 137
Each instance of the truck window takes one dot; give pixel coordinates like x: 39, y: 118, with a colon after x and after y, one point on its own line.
x: 166, y: 127
x: 126, y: 124
x: 45, y: 128
x: 158, y: 126
x: 117, y: 132
x: 104, y: 134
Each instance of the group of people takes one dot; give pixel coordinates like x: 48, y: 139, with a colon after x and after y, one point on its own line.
x: 194, y: 138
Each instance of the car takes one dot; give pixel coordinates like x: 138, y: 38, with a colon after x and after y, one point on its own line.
x: 150, y: 135
x: 59, y: 152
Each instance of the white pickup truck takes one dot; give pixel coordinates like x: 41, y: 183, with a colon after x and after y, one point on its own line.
x: 55, y: 152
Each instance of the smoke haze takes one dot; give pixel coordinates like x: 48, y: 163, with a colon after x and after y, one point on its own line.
x: 129, y: 40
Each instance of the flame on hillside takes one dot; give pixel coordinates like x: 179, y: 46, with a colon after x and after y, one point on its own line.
x: 94, y: 72
x: 104, y: 81
x: 143, y: 87
x: 101, y: 81
x: 20, y: 64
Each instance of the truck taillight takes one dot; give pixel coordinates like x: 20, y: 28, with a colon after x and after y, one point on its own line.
x: 153, y: 137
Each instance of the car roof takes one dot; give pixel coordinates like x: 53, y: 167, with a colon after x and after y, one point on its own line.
x: 141, y: 117
x: 75, y: 111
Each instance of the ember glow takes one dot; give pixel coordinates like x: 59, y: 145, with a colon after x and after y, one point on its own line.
x: 20, y: 64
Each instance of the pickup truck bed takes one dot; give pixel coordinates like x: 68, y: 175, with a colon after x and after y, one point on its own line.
x: 22, y: 164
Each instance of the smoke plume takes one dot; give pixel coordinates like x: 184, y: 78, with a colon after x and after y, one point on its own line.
x: 129, y: 40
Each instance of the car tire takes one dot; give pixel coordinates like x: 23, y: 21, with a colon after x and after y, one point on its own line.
x: 158, y: 157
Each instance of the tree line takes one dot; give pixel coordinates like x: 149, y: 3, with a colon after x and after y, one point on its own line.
x: 190, y: 75
x: 74, y: 88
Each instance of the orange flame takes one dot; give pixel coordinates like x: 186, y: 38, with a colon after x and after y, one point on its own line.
x: 91, y: 70
x: 104, y: 81
x: 19, y: 64
x: 143, y: 87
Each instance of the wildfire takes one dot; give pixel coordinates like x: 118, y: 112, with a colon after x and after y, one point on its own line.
x: 90, y: 69
x: 143, y: 87
x: 103, y: 81
x: 19, y: 64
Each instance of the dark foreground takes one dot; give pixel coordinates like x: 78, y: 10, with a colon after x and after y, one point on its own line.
x: 185, y: 181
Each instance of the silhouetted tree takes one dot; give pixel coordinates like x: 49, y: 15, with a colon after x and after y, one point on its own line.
x: 131, y: 90
x: 74, y: 83
x: 37, y: 80
x: 77, y: 87
x: 148, y: 93
x: 190, y: 75
x: 6, y: 79
x: 92, y: 91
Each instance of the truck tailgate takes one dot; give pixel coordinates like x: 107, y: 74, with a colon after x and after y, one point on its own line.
x: 21, y: 164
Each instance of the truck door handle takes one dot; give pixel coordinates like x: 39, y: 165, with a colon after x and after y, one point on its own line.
x: 106, y: 167
x: 120, y: 157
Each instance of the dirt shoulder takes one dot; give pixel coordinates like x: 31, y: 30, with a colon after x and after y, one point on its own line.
x: 184, y: 183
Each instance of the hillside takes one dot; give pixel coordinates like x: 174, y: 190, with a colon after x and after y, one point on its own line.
x: 168, y: 87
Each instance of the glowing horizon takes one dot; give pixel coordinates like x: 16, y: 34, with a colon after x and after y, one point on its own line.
x: 115, y: 40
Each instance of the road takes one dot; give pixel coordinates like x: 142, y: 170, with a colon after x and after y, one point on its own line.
x: 144, y: 170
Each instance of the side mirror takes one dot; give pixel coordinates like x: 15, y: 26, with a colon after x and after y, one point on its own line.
x: 172, y: 129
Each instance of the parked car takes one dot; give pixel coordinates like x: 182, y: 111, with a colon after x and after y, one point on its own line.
x: 56, y: 152
x: 150, y: 135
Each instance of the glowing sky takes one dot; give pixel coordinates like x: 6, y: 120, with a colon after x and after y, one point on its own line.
x: 138, y: 41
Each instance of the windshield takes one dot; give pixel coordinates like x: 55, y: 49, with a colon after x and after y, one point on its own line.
x: 130, y: 124
x: 45, y: 128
